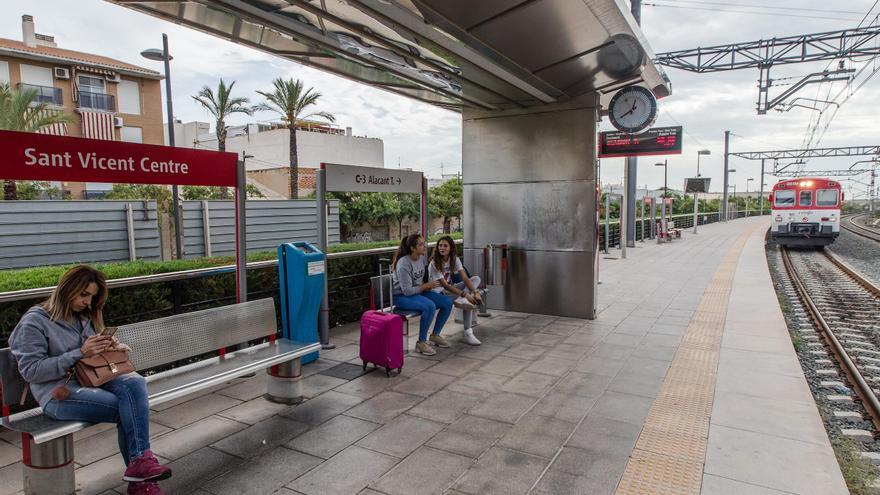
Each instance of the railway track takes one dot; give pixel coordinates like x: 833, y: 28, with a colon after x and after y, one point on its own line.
x: 845, y: 309
x: 849, y: 223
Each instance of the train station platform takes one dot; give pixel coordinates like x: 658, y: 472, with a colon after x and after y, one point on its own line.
x: 686, y: 383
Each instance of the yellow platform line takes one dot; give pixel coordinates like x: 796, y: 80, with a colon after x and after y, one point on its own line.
x: 669, y: 453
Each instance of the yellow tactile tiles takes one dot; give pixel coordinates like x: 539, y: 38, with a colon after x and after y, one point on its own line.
x: 670, y: 451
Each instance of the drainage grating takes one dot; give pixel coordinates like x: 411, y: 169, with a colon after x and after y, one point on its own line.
x: 346, y: 371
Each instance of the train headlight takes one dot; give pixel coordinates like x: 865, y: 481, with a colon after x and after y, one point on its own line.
x: 778, y: 218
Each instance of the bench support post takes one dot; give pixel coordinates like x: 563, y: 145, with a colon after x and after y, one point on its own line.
x: 285, y: 382
x: 47, y: 468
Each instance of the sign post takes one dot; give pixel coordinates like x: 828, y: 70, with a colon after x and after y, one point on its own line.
x: 696, y: 185
x: 332, y: 177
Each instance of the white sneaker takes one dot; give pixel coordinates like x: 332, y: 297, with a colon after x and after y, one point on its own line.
x: 463, y: 303
x: 469, y: 337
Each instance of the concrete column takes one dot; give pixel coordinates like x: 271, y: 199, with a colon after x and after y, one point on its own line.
x: 530, y: 182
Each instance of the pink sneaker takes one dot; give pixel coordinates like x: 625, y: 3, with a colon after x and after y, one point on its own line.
x: 145, y: 488
x: 146, y: 467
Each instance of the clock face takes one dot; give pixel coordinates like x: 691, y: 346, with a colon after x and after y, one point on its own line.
x: 633, y: 109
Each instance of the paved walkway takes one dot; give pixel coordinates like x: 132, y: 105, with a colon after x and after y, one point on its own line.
x: 545, y: 405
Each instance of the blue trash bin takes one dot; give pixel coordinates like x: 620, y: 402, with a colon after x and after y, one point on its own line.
x: 301, y: 272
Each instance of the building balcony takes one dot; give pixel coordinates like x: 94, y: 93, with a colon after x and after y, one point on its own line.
x: 97, y: 101
x: 45, y: 94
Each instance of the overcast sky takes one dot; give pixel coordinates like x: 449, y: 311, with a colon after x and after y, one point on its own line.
x: 422, y: 137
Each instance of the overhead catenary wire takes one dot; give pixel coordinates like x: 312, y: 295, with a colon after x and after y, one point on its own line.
x: 731, y: 11
x: 769, y: 7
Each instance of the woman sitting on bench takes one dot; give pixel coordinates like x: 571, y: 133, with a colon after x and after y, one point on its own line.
x: 51, y: 338
x: 409, y: 269
x: 444, y: 266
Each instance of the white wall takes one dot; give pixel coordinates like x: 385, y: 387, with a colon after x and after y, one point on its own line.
x: 270, y: 149
x: 129, y: 97
x: 38, y: 76
x: 4, y: 72
x: 131, y: 135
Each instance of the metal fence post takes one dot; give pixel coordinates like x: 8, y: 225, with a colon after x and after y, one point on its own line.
x: 129, y: 221
x: 206, y: 227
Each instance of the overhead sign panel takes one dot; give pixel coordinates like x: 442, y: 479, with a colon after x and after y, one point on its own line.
x: 32, y: 156
x: 656, y: 141
x: 350, y: 178
x: 696, y: 185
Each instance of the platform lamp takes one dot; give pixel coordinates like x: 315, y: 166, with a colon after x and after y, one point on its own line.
x: 747, y: 194
x: 699, y: 154
x: 733, y: 186
x: 665, y: 169
x: 162, y: 55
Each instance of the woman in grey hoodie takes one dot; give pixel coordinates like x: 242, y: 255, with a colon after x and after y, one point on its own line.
x: 51, y: 338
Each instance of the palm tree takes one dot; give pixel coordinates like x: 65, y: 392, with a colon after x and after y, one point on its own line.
x: 221, y: 106
x: 290, y: 101
x: 19, y: 112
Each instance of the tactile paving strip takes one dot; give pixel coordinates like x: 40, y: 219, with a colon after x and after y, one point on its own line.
x: 670, y: 451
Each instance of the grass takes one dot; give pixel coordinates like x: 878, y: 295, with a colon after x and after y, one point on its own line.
x: 859, y: 473
x: 46, y: 276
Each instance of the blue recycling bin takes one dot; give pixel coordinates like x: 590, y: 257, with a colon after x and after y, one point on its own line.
x: 301, y: 279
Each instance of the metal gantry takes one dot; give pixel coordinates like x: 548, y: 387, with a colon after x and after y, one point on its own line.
x: 764, y: 54
x: 809, y: 153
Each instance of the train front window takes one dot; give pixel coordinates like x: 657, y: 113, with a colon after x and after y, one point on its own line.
x: 806, y: 198
x: 783, y: 198
x: 826, y: 197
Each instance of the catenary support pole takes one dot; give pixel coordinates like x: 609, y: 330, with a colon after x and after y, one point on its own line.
x: 240, y: 233
x: 726, y: 168
x: 762, y: 188
x: 631, y: 174
x: 607, y: 219
x: 175, y: 199
x: 625, y: 211
x: 642, y: 224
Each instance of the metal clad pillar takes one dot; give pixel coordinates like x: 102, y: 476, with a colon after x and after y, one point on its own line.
x: 536, y: 192
x: 726, y: 157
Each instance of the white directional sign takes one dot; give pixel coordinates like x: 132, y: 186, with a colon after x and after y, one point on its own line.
x: 349, y: 178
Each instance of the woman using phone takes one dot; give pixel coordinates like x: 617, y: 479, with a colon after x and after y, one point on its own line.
x: 444, y: 267
x: 51, y: 337
x: 410, y: 292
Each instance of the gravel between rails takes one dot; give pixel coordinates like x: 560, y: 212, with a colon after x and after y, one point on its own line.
x: 860, y: 253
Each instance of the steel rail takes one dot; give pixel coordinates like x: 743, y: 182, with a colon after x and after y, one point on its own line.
x: 860, y: 385
x: 857, y: 229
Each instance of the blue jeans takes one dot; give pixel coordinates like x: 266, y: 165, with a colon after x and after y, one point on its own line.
x: 427, y: 303
x: 122, y: 401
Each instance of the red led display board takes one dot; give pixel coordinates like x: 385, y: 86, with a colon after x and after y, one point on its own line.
x: 656, y: 141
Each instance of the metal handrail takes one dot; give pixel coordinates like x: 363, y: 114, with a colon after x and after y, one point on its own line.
x: 25, y: 294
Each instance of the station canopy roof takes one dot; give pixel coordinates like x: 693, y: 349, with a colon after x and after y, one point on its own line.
x: 489, y: 54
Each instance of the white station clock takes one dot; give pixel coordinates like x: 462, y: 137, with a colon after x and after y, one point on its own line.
x: 633, y: 110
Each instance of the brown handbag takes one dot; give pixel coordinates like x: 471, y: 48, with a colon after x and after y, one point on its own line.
x: 99, y: 369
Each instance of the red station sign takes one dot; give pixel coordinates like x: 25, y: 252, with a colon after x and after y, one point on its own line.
x: 31, y: 156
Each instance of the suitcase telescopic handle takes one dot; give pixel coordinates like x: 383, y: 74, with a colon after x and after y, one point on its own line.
x: 382, y: 286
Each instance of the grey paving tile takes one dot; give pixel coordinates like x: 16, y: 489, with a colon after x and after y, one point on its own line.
x: 640, y: 367
x: 666, y: 329
x: 342, y: 353
x: 424, y: 384
x: 660, y: 339
x: 189, y: 397
x: 607, y: 350
x: 504, y: 365
x: 415, y: 364
x: 10, y: 479
x: 178, y: 443
x: 559, y: 483
x: 316, y: 385
x: 484, y: 352
x: 384, y: 407
x: 657, y: 352
x: 345, y: 473
x: 641, y: 386
x: 97, y: 477
x: 427, y: 471
x: 401, y: 436
x: 330, y: 438
x: 253, y: 411
x: 194, y: 410
x: 502, y: 471
x: 528, y: 383
x: 525, y: 351
x: 10, y: 454
x: 599, y: 365
x: 370, y: 385
x: 583, y: 384
x: 264, y: 474
x: 479, y: 382
x: 606, y: 436
x: 546, y: 339
x: 249, y: 389
x: 560, y: 329
x: 716, y: 485
x: 77, y: 436
x: 445, y: 406
x: 261, y: 437
x: 564, y: 406
x: 195, y: 470
x: 95, y: 447
x: 503, y: 406
x: 316, y: 411
x: 456, y: 366
x: 538, y: 435
x: 318, y: 366
x: 469, y: 436
x: 552, y: 365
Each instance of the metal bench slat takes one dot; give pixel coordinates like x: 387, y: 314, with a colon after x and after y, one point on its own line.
x: 175, y: 383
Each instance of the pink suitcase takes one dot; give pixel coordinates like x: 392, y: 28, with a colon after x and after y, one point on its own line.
x: 382, y: 337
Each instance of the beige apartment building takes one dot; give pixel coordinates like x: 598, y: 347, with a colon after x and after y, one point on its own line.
x: 108, y: 99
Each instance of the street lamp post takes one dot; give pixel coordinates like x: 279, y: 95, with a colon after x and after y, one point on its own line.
x: 747, y: 194
x: 696, y: 198
x: 663, y: 225
x: 163, y: 56
x: 699, y: 154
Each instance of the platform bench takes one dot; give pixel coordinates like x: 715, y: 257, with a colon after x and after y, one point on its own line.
x: 47, y: 444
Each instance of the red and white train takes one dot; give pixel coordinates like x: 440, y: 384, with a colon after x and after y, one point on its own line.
x: 805, y: 212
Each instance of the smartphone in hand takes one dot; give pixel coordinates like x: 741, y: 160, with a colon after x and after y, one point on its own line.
x: 109, y: 331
